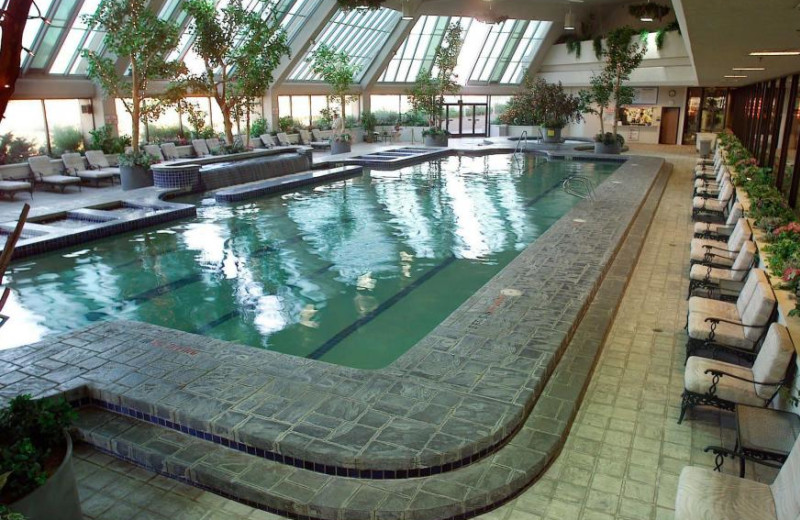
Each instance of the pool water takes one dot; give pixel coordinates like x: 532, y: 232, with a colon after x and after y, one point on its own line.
x: 354, y: 272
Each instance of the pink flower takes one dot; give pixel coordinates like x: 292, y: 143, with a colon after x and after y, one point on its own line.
x: 791, y: 227
x: 790, y: 273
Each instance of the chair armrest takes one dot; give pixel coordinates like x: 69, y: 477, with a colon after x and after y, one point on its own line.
x: 710, y: 247
x: 721, y: 452
x: 721, y: 373
x: 739, y: 323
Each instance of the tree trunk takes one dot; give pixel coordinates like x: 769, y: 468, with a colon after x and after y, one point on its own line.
x: 135, y: 108
x: 343, y: 101
x: 616, y: 103
x: 16, y: 16
x: 226, y: 120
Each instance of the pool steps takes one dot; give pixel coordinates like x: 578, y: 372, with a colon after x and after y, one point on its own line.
x: 240, y: 474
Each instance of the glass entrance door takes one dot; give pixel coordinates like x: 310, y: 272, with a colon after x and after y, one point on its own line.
x: 466, y: 119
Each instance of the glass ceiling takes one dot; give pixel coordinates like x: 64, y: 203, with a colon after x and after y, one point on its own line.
x: 491, y: 53
x: 57, y: 47
x: 362, y: 33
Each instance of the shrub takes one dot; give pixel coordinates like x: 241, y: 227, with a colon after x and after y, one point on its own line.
x: 15, y: 149
x: 30, y: 431
x: 287, y: 124
x: 66, y: 139
x: 414, y: 118
x: 258, y: 127
x: 386, y: 118
x: 104, y: 139
x: 165, y: 134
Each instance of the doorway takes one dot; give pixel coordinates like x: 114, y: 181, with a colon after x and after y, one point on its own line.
x: 466, y: 119
x: 669, y: 125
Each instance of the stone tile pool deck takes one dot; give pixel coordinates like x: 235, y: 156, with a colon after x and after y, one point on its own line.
x: 440, y: 409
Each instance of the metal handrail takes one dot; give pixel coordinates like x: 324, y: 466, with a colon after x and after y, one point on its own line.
x: 518, y: 148
x: 579, y: 186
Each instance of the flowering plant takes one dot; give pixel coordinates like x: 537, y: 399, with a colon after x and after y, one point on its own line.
x: 790, y: 229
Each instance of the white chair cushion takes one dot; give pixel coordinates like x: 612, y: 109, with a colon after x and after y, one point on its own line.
x: 200, y: 147
x: 714, y: 308
x: 213, y: 143
x: 268, y: 140
x: 170, y: 150
x: 773, y: 359
x: 758, y: 311
x: 740, y: 233
x: 745, y: 257
x: 97, y: 159
x: 784, y: 489
x: 153, y: 149
x: 704, y: 494
x: 699, y: 272
x: 729, y: 388
x: 709, y: 204
x: 750, y: 284
x: 725, y: 333
x: 723, y: 257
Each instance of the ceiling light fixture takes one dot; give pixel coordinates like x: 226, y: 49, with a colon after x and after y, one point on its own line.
x: 407, y: 14
x: 646, y: 15
x: 775, y: 53
x: 734, y: 76
x: 569, y: 21
x: 748, y: 68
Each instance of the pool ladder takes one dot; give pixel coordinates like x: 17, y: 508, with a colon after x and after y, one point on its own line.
x: 579, y: 186
x: 518, y: 150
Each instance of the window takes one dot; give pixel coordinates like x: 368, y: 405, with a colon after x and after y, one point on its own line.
x: 361, y: 33
x: 25, y: 118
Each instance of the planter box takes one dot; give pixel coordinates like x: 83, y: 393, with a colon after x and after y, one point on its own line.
x: 338, y: 147
x: 438, y: 141
x: 184, y: 176
x: 133, y: 177
x: 57, y: 498
x: 552, y: 135
x: 606, y: 148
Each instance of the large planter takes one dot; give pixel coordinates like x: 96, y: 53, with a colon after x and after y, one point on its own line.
x: 57, y: 498
x: 338, y: 147
x: 438, y: 140
x: 612, y: 148
x: 133, y: 177
x: 176, y: 177
x: 552, y: 135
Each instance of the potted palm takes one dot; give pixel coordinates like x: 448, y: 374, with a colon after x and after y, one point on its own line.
x: 336, y: 70
x: 427, y: 94
x: 36, y: 477
x: 134, y: 32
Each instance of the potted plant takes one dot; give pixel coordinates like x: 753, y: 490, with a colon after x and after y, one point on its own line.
x: 621, y: 54
x: 427, y: 94
x: 336, y: 70
x: 134, y: 169
x: 135, y: 33
x: 607, y: 142
x: 550, y: 107
x: 368, y: 123
x: 595, y: 100
x: 36, y: 474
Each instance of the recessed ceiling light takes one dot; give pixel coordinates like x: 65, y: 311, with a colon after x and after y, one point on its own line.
x: 733, y: 76
x: 748, y: 68
x: 775, y: 53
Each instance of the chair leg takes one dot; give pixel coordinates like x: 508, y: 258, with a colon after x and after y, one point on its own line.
x: 685, y: 405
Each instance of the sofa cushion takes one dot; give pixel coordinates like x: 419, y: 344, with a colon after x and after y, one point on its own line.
x: 704, y: 494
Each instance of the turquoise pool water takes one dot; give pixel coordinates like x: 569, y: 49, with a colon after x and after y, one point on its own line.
x: 354, y: 272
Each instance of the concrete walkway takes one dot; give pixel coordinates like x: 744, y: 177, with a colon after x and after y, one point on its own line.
x: 625, y: 450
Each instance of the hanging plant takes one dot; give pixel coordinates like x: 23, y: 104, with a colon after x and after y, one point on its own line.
x: 574, y: 46
x: 597, y: 43
x: 349, y: 5
x: 649, y: 10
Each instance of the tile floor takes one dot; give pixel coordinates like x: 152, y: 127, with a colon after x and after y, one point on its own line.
x: 625, y: 450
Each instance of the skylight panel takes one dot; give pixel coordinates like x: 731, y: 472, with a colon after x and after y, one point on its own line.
x: 72, y: 44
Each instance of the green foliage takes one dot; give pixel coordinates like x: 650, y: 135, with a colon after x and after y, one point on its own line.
x: 336, y: 70
x: 7, y: 514
x: 15, y: 149
x: 573, y: 44
x: 597, y: 45
x: 132, y: 31
x: 287, y: 124
x: 104, y: 139
x: 240, y: 51
x: 349, y: 5
x: 427, y: 94
x: 414, y: 118
x: 259, y: 126
x: 601, y: 88
x: 386, y: 118
x: 165, y: 134
x: 66, y: 139
x: 368, y: 122
x: 29, y: 432
x: 542, y: 103
x: 654, y: 11
x: 608, y: 138
x: 226, y: 149
x: 143, y: 159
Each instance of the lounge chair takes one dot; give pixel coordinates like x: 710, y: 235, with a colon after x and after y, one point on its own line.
x: 723, y: 284
x: 170, y: 151
x: 268, y: 140
x: 715, y: 209
x: 45, y: 172
x: 214, y: 144
x: 733, y: 328
x: 155, y: 151
x: 705, y: 182
x: 723, y: 385
x: 704, y: 494
x: 711, y: 189
x: 716, y: 253
x: 74, y: 164
x: 283, y: 139
x: 97, y: 161
x: 306, y: 139
x: 720, y: 231
x: 254, y: 143
x: 200, y: 147
x: 10, y: 186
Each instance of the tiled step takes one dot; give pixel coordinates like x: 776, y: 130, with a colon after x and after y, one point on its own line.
x: 461, y: 493
x: 255, y: 189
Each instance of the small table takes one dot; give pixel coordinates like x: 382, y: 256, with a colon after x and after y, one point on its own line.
x: 764, y: 433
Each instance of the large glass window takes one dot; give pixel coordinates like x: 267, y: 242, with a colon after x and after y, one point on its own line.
x: 25, y: 118
x: 361, y: 34
x: 491, y: 53
x: 64, y: 124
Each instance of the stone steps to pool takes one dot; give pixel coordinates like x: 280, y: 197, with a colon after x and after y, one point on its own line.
x: 255, y: 189
x: 295, y: 490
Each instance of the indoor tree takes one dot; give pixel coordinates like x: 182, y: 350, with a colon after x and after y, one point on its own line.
x: 430, y: 87
x: 240, y: 51
x: 135, y: 33
x: 336, y: 70
x: 623, y: 52
x: 15, y: 16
